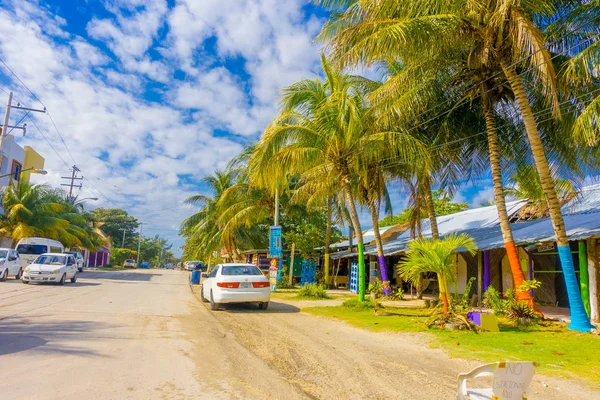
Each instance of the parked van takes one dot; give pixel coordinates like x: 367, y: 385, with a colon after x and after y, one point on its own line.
x: 30, y: 248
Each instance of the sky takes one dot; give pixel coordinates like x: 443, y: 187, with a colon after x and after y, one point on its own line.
x: 147, y: 97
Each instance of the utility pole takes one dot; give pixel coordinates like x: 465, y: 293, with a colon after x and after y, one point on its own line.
x: 73, y: 178
x: 6, y: 126
x: 123, y: 242
x: 137, y: 262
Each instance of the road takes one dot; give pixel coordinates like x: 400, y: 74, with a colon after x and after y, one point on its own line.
x: 145, y: 335
x: 123, y: 335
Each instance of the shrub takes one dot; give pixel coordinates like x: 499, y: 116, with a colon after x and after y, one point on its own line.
x: 284, y: 283
x: 400, y: 294
x: 361, y: 305
x: 376, y: 288
x: 461, y: 304
x: 313, y: 291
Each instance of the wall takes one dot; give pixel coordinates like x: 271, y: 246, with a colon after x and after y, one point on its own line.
x: 461, y: 274
x: 32, y: 160
x: 12, y: 151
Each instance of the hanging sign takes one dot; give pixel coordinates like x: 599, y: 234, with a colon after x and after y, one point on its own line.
x: 547, y: 246
x: 275, y: 242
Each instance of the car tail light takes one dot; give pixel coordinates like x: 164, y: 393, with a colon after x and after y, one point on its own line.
x: 260, y: 284
x: 229, y: 285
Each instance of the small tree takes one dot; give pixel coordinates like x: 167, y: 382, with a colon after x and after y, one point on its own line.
x: 427, y: 255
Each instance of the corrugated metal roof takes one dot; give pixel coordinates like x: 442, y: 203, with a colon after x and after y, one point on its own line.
x: 368, y: 236
x: 588, y: 200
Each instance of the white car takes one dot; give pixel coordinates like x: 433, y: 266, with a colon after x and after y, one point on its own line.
x: 10, y: 264
x: 236, y: 283
x: 129, y: 264
x: 51, y: 267
x: 78, y: 259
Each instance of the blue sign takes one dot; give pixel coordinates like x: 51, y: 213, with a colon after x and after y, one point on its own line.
x: 275, y: 242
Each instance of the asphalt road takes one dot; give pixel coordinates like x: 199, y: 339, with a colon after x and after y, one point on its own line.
x: 123, y: 335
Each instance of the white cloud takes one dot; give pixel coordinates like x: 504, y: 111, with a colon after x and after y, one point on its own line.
x: 485, y: 195
x: 149, y: 152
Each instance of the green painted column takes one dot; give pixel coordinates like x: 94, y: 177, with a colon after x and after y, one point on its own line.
x: 361, y: 272
x: 584, y: 279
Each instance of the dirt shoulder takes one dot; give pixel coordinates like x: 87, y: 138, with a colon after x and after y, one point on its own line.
x: 330, y: 359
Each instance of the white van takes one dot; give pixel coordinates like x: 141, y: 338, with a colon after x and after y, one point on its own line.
x: 30, y: 248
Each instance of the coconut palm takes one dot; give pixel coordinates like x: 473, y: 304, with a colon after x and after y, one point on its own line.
x: 430, y: 255
x: 503, y: 44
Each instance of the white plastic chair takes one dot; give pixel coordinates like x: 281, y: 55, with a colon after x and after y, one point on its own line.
x: 510, y: 381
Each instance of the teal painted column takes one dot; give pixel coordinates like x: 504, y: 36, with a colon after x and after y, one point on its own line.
x: 579, y: 319
x: 584, y: 279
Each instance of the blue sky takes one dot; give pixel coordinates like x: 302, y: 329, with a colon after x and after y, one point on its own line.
x: 152, y: 95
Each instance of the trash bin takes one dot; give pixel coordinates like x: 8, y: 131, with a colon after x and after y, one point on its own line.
x: 195, y: 278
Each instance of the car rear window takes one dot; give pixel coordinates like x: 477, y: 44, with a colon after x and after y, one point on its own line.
x: 240, y: 270
x: 36, y: 249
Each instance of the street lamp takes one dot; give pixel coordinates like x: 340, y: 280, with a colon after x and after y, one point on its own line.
x: 34, y: 170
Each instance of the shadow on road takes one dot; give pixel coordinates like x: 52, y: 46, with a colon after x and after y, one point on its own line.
x: 21, y: 334
x: 128, y: 275
x: 274, y: 308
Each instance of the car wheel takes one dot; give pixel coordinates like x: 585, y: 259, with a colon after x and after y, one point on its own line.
x: 4, y: 275
x: 80, y: 269
x: 263, y: 306
x: 213, y: 305
x: 202, y: 295
x: 74, y: 278
x: 19, y: 274
x: 63, y: 279
x: 25, y: 282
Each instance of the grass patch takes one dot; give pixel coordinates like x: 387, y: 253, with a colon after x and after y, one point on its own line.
x: 559, y: 351
x: 312, y: 291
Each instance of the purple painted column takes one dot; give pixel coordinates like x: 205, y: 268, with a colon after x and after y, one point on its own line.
x: 530, y: 267
x: 384, y: 275
x: 486, y: 270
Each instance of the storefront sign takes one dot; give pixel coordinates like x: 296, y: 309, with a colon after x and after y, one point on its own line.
x: 547, y: 246
x: 273, y: 269
x: 275, y: 242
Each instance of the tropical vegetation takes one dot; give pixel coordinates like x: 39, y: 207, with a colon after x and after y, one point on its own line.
x: 468, y: 90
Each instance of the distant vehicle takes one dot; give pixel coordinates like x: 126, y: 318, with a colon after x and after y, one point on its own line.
x: 236, y: 283
x: 129, y: 264
x: 10, y: 264
x: 30, y: 248
x: 195, y: 265
x: 144, y: 265
x: 51, y: 267
x: 170, y: 266
x: 78, y: 259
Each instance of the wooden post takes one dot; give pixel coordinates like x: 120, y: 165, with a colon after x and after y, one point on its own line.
x: 479, y: 278
x: 594, y: 279
x: 292, y: 264
x: 583, y: 276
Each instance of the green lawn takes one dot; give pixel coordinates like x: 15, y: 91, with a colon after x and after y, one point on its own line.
x: 292, y: 294
x: 559, y: 351
x: 118, y: 268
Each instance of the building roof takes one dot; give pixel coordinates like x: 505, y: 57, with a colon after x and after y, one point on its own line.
x: 368, y: 236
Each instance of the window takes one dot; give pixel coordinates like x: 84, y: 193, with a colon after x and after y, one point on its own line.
x: 240, y: 270
x: 55, y: 249
x: 3, y: 254
x: 51, y: 260
x: 32, y: 249
x: 213, y: 273
x: 15, y: 170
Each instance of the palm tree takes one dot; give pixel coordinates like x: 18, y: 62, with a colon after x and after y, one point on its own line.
x: 502, y: 42
x: 431, y: 255
x: 323, y: 134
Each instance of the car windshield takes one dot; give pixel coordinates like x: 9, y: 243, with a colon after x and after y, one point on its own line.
x: 240, y: 270
x: 50, y: 260
x: 3, y: 253
x: 32, y: 248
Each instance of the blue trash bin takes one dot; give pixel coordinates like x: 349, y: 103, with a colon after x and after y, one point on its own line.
x: 195, y: 278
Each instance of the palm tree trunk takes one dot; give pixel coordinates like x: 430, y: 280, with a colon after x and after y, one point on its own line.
x: 327, y: 242
x: 507, y: 236
x: 435, y: 234
x: 579, y: 318
x: 383, y: 273
x: 359, y: 238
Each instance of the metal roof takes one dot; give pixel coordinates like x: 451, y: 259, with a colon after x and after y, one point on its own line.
x: 581, y: 216
x: 368, y: 236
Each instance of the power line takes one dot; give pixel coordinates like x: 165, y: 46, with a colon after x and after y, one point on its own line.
x: 49, y: 143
